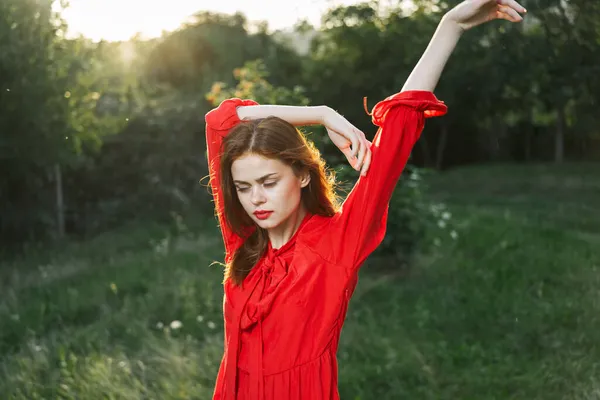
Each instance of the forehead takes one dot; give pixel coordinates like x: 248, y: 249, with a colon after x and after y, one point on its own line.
x: 251, y: 167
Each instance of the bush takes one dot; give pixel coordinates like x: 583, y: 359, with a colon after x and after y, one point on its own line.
x: 253, y: 84
x: 415, y: 223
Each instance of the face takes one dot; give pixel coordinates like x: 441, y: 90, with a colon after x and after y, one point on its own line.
x: 269, y: 186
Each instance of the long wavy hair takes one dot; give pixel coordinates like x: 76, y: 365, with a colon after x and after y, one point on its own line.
x: 272, y: 138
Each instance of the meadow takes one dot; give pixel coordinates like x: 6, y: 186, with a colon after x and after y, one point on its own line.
x: 508, y: 309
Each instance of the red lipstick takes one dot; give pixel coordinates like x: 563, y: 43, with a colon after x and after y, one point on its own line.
x: 262, y: 215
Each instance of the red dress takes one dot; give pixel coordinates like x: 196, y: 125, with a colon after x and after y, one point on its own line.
x: 282, y: 326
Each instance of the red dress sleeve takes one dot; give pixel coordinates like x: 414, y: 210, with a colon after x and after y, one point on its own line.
x: 359, y: 227
x: 219, y: 122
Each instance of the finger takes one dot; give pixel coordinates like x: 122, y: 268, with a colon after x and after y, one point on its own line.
x: 362, y: 153
x: 347, y: 140
x: 347, y: 152
x: 367, y: 162
x: 359, y: 157
x: 509, y: 14
x: 512, y: 4
x: 359, y: 154
x: 366, y: 146
x: 350, y: 137
x: 355, y: 145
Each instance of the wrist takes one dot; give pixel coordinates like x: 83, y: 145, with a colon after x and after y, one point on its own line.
x: 450, y: 26
x: 325, y: 113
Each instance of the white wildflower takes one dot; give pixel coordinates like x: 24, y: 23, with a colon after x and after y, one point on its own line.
x: 176, y: 324
x: 454, y: 235
x: 442, y: 223
x: 211, y: 325
x: 199, y: 318
x: 160, y: 325
x: 446, y: 215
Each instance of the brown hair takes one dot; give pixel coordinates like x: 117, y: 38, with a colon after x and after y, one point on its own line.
x: 273, y: 138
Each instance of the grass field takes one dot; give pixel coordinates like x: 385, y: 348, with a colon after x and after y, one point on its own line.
x: 508, y: 310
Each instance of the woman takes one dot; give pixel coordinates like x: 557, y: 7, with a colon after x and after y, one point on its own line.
x: 292, y: 256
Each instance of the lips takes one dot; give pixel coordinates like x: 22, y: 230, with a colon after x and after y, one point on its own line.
x: 262, y: 214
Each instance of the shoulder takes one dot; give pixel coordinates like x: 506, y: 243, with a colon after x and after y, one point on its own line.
x: 316, y: 237
x: 317, y: 253
x: 224, y: 116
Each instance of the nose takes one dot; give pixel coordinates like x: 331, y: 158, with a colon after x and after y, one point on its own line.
x: 257, y: 196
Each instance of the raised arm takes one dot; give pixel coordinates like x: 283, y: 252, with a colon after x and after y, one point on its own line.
x: 428, y: 70
x: 349, y: 139
x: 466, y: 15
x: 219, y: 121
x: 359, y: 228
x: 295, y: 115
x: 230, y: 113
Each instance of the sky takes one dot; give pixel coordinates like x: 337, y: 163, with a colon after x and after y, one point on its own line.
x: 121, y: 19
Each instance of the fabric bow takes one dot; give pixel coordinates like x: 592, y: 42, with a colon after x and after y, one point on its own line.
x: 265, y: 281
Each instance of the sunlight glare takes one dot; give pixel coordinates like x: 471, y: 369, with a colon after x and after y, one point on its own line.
x: 128, y: 52
x: 122, y: 19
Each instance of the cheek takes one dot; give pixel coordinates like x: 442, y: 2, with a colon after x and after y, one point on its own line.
x: 286, y: 195
x: 244, y: 199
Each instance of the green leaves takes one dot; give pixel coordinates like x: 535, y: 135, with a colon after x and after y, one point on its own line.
x: 125, y: 120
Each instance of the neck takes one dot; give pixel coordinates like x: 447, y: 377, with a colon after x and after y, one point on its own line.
x: 283, y: 233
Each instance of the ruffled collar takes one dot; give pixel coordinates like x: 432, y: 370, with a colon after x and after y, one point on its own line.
x: 263, y: 280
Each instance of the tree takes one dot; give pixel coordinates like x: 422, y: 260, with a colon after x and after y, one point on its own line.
x: 33, y: 116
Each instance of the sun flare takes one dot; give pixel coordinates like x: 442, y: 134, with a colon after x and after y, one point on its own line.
x: 122, y: 19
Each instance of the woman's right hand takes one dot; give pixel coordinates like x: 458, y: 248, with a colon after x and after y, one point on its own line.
x: 471, y: 13
x: 349, y: 139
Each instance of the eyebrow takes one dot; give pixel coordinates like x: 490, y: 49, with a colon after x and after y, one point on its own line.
x: 259, y: 180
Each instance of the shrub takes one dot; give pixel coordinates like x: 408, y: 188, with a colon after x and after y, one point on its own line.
x: 415, y: 222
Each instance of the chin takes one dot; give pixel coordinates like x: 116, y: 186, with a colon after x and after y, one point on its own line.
x: 266, y: 224
x: 269, y: 223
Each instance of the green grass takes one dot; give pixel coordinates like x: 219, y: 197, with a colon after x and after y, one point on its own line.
x: 508, y: 310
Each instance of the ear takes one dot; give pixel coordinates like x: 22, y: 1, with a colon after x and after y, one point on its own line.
x: 305, y: 179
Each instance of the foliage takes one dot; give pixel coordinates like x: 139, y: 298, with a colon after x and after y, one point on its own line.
x: 211, y: 45
x: 123, y: 122
x: 253, y: 84
x: 416, y: 223
x: 505, y: 311
x: 499, y: 80
x: 34, y: 116
x: 500, y: 302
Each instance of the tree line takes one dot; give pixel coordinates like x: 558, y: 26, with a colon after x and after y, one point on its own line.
x: 96, y: 134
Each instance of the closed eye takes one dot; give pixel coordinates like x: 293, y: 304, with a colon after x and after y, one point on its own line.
x: 246, y: 188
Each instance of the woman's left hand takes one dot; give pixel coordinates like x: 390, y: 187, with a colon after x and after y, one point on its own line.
x: 471, y: 13
x: 349, y: 139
